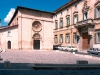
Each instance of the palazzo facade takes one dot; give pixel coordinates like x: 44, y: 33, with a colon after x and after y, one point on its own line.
x: 77, y: 23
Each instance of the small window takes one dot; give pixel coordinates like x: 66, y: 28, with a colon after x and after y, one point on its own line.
x: 75, y: 38
x: 56, y: 24
x: 98, y: 37
x: 68, y: 21
x: 61, y: 23
x: 75, y: 19
x: 56, y: 39
x: 85, y: 16
x: 61, y: 13
x: 67, y: 38
x: 67, y: 10
x: 9, y: 33
x: 98, y: 11
x: 75, y: 6
x: 61, y: 38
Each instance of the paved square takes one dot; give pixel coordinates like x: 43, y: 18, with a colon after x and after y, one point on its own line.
x: 45, y: 56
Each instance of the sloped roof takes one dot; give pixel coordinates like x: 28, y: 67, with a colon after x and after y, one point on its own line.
x: 66, y: 5
x: 20, y: 7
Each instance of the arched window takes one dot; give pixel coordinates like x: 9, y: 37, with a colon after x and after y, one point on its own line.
x: 9, y: 44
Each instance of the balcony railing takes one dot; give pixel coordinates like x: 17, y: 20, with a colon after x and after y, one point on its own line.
x: 84, y: 22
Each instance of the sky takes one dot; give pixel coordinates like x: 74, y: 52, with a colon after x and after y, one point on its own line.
x: 8, y: 7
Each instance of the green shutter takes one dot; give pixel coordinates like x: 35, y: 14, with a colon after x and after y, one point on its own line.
x: 95, y: 40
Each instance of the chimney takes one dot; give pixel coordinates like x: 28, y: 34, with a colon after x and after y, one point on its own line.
x: 0, y: 22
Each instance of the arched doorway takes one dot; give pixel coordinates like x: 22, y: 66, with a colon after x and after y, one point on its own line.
x: 36, y: 41
x: 9, y: 44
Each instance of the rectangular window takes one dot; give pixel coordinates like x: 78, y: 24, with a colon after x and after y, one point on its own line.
x: 61, y: 23
x: 98, y: 9
x: 56, y: 24
x: 55, y: 39
x: 85, y: 15
x: 67, y: 38
x: 61, y: 38
x: 67, y: 10
x: 9, y: 33
x: 68, y: 21
x: 75, y: 6
x: 98, y: 37
x: 75, y: 19
x: 75, y: 38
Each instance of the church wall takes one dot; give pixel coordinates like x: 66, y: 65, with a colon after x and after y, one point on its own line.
x: 13, y: 37
x: 26, y: 32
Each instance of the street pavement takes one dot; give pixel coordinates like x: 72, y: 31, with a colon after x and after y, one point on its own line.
x: 46, y: 56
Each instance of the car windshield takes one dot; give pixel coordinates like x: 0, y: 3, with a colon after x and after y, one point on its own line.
x: 70, y: 46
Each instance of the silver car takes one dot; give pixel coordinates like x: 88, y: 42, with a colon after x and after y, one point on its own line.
x: 94, y: 50
x: 71, y: 49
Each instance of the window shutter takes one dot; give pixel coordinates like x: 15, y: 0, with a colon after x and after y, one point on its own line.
x: 95, y: 38
x: 95, y: 16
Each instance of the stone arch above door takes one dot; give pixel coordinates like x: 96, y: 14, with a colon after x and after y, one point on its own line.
x: 36, y: 26
x: 36, y: 36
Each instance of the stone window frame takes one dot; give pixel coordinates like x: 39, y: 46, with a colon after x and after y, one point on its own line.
x: 55, y: 39
x: 75, y: 40
x: 61, y: 36
x: 56, y: 24
x: 66, y: 36
x: 96, y: 37
x: 61, y: 25
x: 68, y: 18
x: 96, y: 12
x: 84, y: 15
x: 9, y: 33
x: 85, y: 9
x: 74, y: 18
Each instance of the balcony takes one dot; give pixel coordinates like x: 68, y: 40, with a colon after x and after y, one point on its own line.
x: 87, y: 22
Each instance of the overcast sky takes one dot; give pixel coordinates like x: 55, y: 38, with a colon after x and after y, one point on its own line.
x: 8, y: 7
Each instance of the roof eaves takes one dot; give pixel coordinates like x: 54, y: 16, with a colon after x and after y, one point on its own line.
x: 66, y: 5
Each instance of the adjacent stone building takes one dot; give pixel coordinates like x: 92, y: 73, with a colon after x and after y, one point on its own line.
x: 77, y: 23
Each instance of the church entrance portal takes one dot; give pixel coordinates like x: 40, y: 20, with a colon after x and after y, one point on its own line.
x: 36, y: 44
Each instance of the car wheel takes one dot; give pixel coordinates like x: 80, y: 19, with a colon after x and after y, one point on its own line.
x: 99, y: 54
x: 89, y: 53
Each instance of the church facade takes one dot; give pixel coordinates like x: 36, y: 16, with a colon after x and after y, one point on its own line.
x: 28, y: 29
x: 77, y: 23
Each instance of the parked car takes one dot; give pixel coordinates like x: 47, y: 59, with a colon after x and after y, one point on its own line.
x: 94, y: 50
x: 72, y: 49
